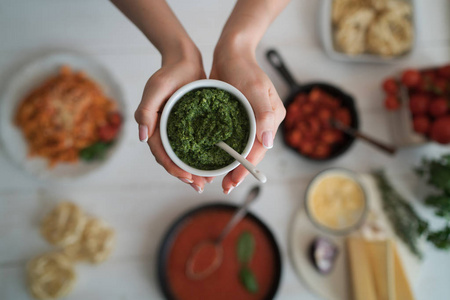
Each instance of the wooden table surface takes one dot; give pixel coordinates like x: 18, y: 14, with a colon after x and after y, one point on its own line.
x: 134, y: 194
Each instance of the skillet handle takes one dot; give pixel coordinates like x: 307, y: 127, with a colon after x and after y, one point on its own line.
x: 277, y: 62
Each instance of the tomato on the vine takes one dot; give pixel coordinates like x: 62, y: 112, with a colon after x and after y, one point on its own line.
x: 410, y: 77
x: 390, y: 86
x: 444, y: 71
x: 107, y: 133
x: 418, y: 103
x: 438, y: 107
x: 440, y: 130
x: 391, y: 102
x: 421, y: 124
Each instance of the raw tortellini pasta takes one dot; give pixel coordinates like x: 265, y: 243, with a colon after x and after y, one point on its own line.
x: 381, y: 27
x: 79, y: 238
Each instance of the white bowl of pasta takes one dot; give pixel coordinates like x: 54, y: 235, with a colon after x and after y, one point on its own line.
x: 61, y: 116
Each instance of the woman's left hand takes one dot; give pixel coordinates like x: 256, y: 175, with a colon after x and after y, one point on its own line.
x: 241, y: 70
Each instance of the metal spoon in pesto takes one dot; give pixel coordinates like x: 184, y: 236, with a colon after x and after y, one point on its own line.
x: 248, y: 165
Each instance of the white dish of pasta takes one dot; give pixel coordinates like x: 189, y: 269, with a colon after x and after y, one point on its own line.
x: 61, y: 116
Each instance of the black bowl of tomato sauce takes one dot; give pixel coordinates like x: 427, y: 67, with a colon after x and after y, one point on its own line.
x: 206, y: 222
x: 310, y: 108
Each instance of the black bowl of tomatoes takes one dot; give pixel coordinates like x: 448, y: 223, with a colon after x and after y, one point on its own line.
x: 426, y: 94
x: 310, y: 110
x: 307, y: 127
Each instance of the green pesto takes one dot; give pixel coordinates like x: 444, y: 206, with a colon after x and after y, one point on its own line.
x: 201, y: 119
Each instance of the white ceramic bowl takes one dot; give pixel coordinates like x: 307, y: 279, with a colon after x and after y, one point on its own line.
x: 206, y: 83
x: 340, y: 172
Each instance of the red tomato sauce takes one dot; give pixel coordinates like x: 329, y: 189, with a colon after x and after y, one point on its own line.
x: 224, y: 283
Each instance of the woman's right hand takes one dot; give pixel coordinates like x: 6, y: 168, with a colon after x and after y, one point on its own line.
x: 177, y: 70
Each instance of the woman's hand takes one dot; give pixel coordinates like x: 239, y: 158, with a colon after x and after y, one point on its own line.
x: 238, y: 67
x: 173, y: 74
x: 181, y: 64
x: 235, y: 62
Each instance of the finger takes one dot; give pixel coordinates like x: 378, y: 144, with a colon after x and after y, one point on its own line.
x: 235, y: 177
x: 209, y: 179
x: 156, y: 92
x: 278, y: 107
x: 164, y: 160
x: 259, y: 97
x: 199, y: 183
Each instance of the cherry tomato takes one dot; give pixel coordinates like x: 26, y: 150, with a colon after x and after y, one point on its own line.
x: 444, y: 71
x: 303, y: 126
x: 316, y: 95
x: 390, y: 86
x: 330, y: 136
x: 294, y: 138
x: 292, y: 115
x: 343, y: 115
x: 424, y: 85
x: 322, y: 150
x: 324, y: 115
x: 440, y: 130
x: 314, y: 125
x: 331, y: 103
x: 107, y: 133
x: 307, y: 109
x: 115, y: 119
x: 421, y: 124
x: 438, y: 107
x: 428, y: 75
x: 307, y: 147
x: 410, y: 77
x: 439, y: 86
x: 300, y: 99
x: 391, y: 103
x: 418, y: 103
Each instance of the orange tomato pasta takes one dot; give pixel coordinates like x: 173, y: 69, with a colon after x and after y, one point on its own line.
x: 63, y: 116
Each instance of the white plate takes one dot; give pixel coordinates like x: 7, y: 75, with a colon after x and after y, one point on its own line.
x: 326, y: 34
x: 337, y: 284
x: 28, y: 78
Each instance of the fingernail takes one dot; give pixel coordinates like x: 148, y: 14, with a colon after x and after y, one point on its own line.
x: 197, y: 188
x: 229, y: 190
x: 232, y: 187
x: 186, y: 180
x: 143, y: 133
x: 267, y: 139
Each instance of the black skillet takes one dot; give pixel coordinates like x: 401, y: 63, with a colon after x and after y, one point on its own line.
x: 171, y: 234
x: 296, y: 88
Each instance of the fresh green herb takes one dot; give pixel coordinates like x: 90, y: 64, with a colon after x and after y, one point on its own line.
x: 441, y: 204
x: 407, y: 224
x: 201, y: 119
x: 440, y: 238
x: 437, y: 174
x: 95, y: 151
x: 248, y: 279
x: 245, y: 247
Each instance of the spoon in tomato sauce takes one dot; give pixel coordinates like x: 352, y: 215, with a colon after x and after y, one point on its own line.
x: 207, y: 255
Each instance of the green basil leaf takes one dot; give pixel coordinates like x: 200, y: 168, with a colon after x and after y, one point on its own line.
x: 245, y: 247
x: 95, y: 151
x: 248, y: 280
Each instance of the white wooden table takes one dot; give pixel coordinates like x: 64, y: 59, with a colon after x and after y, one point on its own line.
x: 135, y: 194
